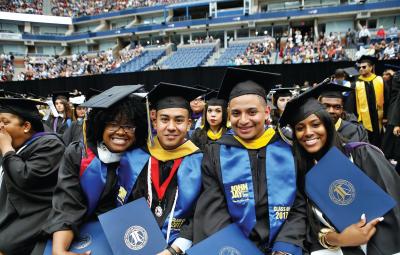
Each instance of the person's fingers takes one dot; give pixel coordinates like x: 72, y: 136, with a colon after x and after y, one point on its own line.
x: 362, y: 221
x: 373, y: 223
x: 371, y: 232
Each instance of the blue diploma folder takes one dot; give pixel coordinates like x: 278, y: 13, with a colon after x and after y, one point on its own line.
x: 229, y: 240
x: 91, y: 238
x: 132, y: 229
x: 343, y: 192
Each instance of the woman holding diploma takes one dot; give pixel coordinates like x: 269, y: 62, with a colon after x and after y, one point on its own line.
x: 93, y: 177
x: 314, y: 135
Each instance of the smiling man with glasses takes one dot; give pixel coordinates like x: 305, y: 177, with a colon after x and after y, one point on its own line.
x: 369, y: 91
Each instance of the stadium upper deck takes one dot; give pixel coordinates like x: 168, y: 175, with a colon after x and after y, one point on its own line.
x: 181, y: 23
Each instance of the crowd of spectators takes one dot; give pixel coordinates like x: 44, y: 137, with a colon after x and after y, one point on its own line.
x: 22, y: 6
x: 382, y: 50
x: 76, y: 65
x: 74, y: 8
x: 201, y: 40
x: 300, y: 49
x: 257, y: 53
x: 7, y: 68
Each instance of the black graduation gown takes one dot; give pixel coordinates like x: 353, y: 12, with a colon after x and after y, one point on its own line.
x: 391, y: 143
x: 70, y: 204
x: 140, y: 189
x: 212, y: 212
x: 352, y: 132
x: 386, y: 239
x: 73, y: 133
x: 69, y: 201
x: 375, y: 136
x: 62, y: 124
x: 201, y: 139
x: 26, y: 193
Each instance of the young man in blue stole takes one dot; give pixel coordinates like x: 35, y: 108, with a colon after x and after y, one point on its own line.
x: 249, y: 177
x: 168, y: 170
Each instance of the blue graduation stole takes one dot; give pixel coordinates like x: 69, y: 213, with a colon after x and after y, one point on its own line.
x: 93, y: 176
x: 189, y: 186
x: 238, y: 185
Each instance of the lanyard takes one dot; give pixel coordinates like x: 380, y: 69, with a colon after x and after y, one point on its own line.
x: 155, y: 176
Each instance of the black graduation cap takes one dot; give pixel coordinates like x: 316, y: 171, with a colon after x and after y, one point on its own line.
x: 210, y: 95
x: 4, y: 93
x: 61, y: 94
x: 168, y: 95
x: 111, y: 96
x: 300, y: 107
x: 92, y: 92
x: 330, y: 90
x: 207, y: 90
x: 238, y: 82
x: 211, y: 99
x: 34, y: 96
x: 351, y: 72
x: 281, y: 92
x: 392, y: 66
x: 24, y: 108
x: 372, y: 60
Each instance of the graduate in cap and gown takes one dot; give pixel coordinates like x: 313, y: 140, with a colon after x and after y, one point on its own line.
x: 75, y: 131
x: 214, y: 121
x: 279, y: 100
x: 168, y: 169
x: 28, y: 174
x: 249, y: 177
x: 96, y: 174
x: 331, y: 96
x: 197, y: 106
x: 314, y: 135
x: 391, y: 138
x: 369, y: 99
x: 60, y: 123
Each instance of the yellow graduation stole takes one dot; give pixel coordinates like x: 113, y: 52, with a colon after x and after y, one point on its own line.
x: 157, y: 151
x: 214, y: 136
x: 258, y: 143
x: 338, y: 123
x: 362, y: 102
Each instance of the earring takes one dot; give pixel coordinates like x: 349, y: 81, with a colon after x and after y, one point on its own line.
x: 25, y: 131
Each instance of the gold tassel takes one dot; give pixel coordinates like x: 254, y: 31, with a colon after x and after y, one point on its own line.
x: 84, y: 137
x: 150, y: 140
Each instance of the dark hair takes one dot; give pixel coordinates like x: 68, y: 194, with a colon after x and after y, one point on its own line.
x: 207, y: 125
x: 305, y: 161
x: 67, y: 108
x: 36, y: 124
x: 131, y: 109
x: 74, y: 114
x: 224, y: 115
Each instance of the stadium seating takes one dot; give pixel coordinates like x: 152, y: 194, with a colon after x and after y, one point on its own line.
x: 230, y: 53
x: 189, y: 56
x: 139, y: 63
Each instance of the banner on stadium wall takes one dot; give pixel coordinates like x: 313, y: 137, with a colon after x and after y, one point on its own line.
x: 10, y: 36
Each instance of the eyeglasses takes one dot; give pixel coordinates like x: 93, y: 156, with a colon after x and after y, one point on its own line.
x: 114, y: 126
x: 362, y: 67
